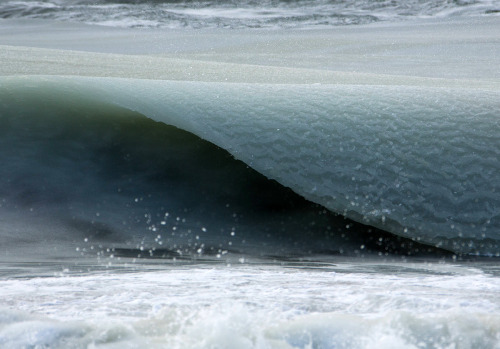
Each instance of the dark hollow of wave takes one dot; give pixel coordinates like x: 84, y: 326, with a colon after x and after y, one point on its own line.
x: 74, y: 170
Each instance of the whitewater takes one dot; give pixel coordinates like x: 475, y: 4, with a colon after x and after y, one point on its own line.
x: 249, y: 175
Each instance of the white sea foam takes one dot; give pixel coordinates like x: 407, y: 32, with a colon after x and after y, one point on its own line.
x: 397, y: 305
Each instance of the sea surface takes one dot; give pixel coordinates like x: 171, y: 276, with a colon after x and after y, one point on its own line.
x: 249, y: 174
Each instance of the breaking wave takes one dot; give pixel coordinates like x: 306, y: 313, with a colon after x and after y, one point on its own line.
x: 396, y: 158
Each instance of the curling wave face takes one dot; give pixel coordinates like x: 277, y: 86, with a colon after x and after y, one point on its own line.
x: 392, y: 157
x: 79, y: 169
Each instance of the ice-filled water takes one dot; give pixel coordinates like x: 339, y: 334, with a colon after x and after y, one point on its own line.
x: 268, y: 174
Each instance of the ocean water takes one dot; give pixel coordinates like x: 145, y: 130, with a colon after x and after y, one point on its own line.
x: 249, y: 174
x: 277, y: 14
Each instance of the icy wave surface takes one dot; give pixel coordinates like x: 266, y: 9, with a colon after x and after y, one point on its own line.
x: 417, y: 161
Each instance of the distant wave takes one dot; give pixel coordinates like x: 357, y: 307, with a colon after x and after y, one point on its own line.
x: 240, y: 14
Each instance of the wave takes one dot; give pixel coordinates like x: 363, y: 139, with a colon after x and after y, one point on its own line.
x: 414, y: 153
x: 395, y: 158
x: 78, y: 168
x: 241, y: 14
